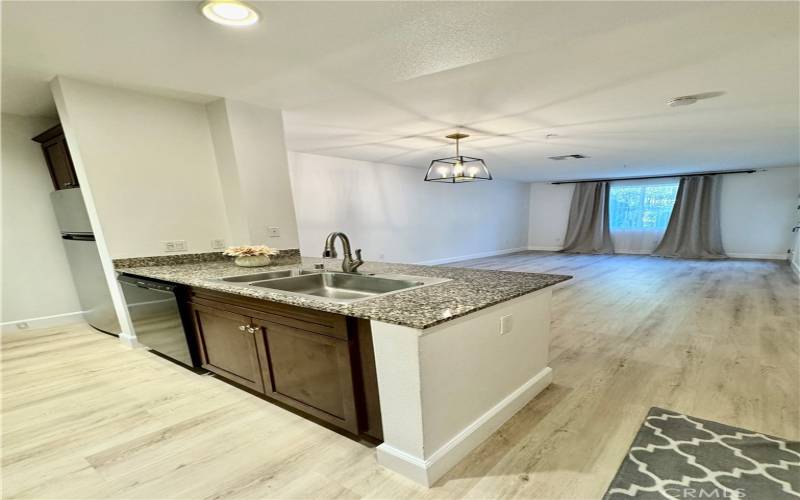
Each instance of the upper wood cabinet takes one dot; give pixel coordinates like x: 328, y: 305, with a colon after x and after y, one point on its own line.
x: 59, y: 161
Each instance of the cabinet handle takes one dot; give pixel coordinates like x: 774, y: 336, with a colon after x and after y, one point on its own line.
x: 242, y: 328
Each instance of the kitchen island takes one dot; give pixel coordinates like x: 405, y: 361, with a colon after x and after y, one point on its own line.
x: 452, y: 358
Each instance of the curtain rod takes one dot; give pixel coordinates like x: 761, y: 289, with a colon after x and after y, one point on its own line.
x: 750, y: 171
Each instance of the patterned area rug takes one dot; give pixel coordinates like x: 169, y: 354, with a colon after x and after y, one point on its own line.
x: 675, y: 456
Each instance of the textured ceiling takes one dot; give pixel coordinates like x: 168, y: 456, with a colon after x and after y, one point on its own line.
x: 385, y: 82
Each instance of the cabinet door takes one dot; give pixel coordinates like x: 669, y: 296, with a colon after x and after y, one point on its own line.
x: 311, y: 372
x: 60, y: 164
x: 227, y: 348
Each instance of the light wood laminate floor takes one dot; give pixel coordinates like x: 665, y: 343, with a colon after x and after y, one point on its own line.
x: 84, y: 417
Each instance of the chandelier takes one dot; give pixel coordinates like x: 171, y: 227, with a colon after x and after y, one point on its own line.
x: 457, y: 168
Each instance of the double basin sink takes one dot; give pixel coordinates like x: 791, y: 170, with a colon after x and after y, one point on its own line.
x: 330, y: 286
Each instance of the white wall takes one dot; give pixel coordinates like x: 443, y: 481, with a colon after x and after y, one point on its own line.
x: 446, y: 389
x: 150, y: 162
x: 795, y: 260
x: 154, y: 169
x: 756, y: 212
x: 36, y: 280
x: 549, y: 211
x: 228, y: 170
x: 393, y: 215
x: 254, y: 172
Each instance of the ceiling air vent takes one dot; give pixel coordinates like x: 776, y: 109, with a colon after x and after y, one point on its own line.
x: 568, y: 157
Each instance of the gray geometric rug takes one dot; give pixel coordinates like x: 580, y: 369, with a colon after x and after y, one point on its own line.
x: 675, y: 456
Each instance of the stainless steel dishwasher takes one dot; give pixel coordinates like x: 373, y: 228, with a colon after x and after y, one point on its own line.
x: 157, y: 319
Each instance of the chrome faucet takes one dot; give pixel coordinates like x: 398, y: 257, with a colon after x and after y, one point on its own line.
x: 348, y: 264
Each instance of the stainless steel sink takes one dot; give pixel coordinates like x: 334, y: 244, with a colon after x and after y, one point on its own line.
x: 341, y: 287
x: 249, y: 278
x: 330, y: 286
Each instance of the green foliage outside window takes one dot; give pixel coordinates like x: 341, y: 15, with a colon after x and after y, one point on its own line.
x: 641, y: 207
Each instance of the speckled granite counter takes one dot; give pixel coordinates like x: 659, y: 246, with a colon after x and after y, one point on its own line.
x: 468, y: 291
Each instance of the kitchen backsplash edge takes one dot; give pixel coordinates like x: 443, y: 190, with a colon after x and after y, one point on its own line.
x: 284, y: 257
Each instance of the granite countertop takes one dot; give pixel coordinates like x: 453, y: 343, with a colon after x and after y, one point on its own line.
x: 468, y: 290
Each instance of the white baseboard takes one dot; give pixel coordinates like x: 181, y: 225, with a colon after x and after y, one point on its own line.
x: 404, y: 464
x: 129, y: 341
x: 42, y: 322
x: 427, y: 472
x: 733, y: 255
x: 545, y: 248
x: 558, y: 249
x: 492, y: 253
x: 795, y: 267
x: 761, y: 256
x: 633, y: 252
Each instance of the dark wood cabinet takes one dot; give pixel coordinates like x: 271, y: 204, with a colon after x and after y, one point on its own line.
x: 228, y: 345
x: 317, y: 363
x: 312, y: 372
x: 59, y: 161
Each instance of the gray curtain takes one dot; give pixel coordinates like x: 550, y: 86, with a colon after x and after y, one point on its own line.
x: 587, y: 228
x: 693, y: 231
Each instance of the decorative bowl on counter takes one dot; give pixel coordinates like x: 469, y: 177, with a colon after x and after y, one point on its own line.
x: 252, y: 260
x: 251, y: 255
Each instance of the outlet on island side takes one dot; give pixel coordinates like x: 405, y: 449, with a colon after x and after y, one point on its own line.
x: 273, y: 231
x: 218, y: 244
x: 506, y: 324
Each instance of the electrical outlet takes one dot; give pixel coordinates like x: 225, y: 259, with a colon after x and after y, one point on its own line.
x: 506, y: 324
x: 273, y: 232
x: 218, y: 244
x: 173, y: 245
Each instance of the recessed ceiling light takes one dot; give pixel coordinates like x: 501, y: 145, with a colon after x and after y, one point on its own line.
x: 229, y: 12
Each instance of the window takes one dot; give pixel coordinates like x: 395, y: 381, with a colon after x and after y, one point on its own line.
x: 637, y: 206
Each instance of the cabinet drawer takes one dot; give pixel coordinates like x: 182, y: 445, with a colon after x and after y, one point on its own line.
x: 306, y: 319
x: 225, y: 348
x: 312, y: 373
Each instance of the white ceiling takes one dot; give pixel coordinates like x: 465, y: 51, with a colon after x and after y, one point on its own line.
x: 386, y: 81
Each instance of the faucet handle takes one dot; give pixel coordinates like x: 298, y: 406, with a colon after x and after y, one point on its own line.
x: 358, y: 260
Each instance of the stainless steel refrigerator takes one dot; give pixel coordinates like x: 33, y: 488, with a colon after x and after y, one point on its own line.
x: 84, y: 260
